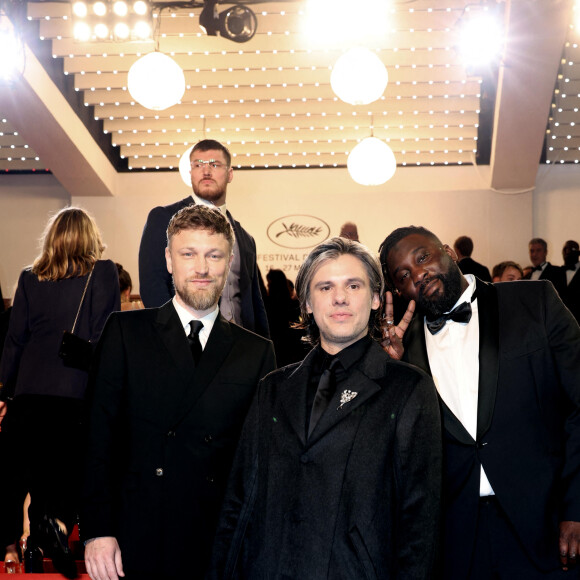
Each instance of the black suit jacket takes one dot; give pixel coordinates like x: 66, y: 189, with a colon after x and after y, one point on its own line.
x: 528, y: 424
x: 162, y: 436
x: 470, y: 266
x: 358, y: 499
x: 571, y: 296
x: 556, y: 275
x: 156, y: 283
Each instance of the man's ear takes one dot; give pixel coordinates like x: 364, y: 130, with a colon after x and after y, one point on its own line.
x: 230, y: 175
x: 308, y: 309
x: 376, y: 301
x: 168, y: 260
x: 450, y: 252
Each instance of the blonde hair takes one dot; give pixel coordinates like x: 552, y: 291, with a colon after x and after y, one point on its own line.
x: 71, y: 244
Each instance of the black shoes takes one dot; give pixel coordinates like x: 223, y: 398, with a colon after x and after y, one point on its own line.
x: 54, y: 544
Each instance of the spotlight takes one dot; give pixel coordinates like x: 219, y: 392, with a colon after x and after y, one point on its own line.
x: 237, y: 23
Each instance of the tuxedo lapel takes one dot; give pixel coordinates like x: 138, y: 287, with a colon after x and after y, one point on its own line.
x: 216, y: 350
x: 293, y: 398
x: 416, y: 353
x: 352, y: 392
x: 488, y: 354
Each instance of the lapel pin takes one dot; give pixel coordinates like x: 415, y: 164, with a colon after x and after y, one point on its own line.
x: 346, y: 397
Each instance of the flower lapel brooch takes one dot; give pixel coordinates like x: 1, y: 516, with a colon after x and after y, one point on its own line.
x: 346, y: 397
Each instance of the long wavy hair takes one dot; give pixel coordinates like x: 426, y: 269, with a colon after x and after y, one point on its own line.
x: 71, y: 244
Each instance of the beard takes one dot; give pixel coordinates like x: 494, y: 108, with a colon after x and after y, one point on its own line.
x: 200, y: 299
x: 441, y: 301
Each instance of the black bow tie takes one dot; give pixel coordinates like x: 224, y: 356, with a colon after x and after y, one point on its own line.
x: 570, y: 267
x: 461, y: 313
x: 537, y: 269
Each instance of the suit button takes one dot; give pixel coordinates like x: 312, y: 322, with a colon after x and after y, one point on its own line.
x: 208, y: 438
x: 159, y: 472
x: 304, y: 458
x: 171, y: 434
x: 209, y: 479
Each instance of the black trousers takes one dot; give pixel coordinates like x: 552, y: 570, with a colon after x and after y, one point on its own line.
x: 499, y: 554
x: 41, y: 449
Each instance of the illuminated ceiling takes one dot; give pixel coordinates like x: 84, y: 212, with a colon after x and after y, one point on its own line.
x: 271, y: 102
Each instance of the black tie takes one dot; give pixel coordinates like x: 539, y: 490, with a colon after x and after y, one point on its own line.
x: 193, y: 338
x: 324, y: 392
x: 461, y: 313
x: 537, y: 269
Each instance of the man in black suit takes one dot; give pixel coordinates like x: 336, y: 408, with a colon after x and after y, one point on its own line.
x: 506, y: 363
x: 571, y: 268
x: 338, y: 470
x: 241, y: 301
x: 542, y: 269
x: 464, y: 248
x: 165, y: 415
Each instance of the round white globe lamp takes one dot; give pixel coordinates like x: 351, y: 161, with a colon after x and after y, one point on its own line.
x: 185, y: 166
x: 371, y: 162
x: 156, y: 81
x: 359, y: 77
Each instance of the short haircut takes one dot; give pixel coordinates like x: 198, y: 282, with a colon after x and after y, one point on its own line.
x: 465, y: 245
x: 500, y: 268
x: 211, y: 145
x: 201, y: 217
x: 71, y: 244
x: 540, y: 241
x: 331, y: 250
x: 393, y: 239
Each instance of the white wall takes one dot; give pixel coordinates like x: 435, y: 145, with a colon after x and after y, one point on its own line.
x: 451, y: 201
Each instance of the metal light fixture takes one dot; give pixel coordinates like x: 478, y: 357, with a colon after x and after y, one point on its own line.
x: 118, y: 20
x: 237, y: 23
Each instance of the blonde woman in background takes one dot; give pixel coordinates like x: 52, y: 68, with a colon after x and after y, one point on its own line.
x: 41, y: 399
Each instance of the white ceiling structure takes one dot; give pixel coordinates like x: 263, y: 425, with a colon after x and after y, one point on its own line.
x: 271, y: 102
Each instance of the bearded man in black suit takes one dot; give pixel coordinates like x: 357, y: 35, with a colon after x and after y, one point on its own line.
x: 166, y: 411
x: 571, y: 269
x: 506, y: 362
x: 241, y: 301
x: 337, y: 475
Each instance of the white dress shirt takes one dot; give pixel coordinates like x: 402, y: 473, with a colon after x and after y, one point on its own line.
x: 454, y: 360
x: 571, y: 273
x: 186, y: 317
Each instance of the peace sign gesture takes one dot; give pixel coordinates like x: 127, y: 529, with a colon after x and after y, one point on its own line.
x: 392, y: 341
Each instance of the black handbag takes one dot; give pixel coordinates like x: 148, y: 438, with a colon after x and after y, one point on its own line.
x: 76, y: 352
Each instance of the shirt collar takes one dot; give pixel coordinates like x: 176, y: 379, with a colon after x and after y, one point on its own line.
x: 185, y: 316
x: 347, y: 356
x: 202, y: 201
x: 468, y: 293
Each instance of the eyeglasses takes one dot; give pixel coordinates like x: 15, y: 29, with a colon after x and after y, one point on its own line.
x: 215, y: 165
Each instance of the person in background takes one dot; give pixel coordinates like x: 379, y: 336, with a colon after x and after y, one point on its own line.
x: 40, y: 397
x: 241, y: 301
x: 170, y: 391
x: 283, y: 313
x: 126, y: 286
x: 507, y: 272
x: 542, y: 269
x: 505, y: 359
x: 464, y: 248
x: 349, y: 231
x: 571, y: 268
x: 338, y: 470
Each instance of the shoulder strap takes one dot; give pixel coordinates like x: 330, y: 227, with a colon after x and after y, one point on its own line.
x: 82, y: 300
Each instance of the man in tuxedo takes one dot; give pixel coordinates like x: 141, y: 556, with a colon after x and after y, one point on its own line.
x: 463, y: 247
x: 169, y: 393
x: 241, y: 301
x: 571, y: 269
x: 338, y: 470
x: 506, y: 363
x: 542, y: 269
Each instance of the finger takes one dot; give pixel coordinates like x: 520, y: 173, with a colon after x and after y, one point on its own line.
x: 388, y: 315
x: 119, y: 563
x: 564, y: 553
x: 407, y: 317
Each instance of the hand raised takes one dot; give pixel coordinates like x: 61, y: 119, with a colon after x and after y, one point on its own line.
x: 392, y: 341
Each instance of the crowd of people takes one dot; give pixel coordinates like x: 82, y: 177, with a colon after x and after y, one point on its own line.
x: 406, y: 414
